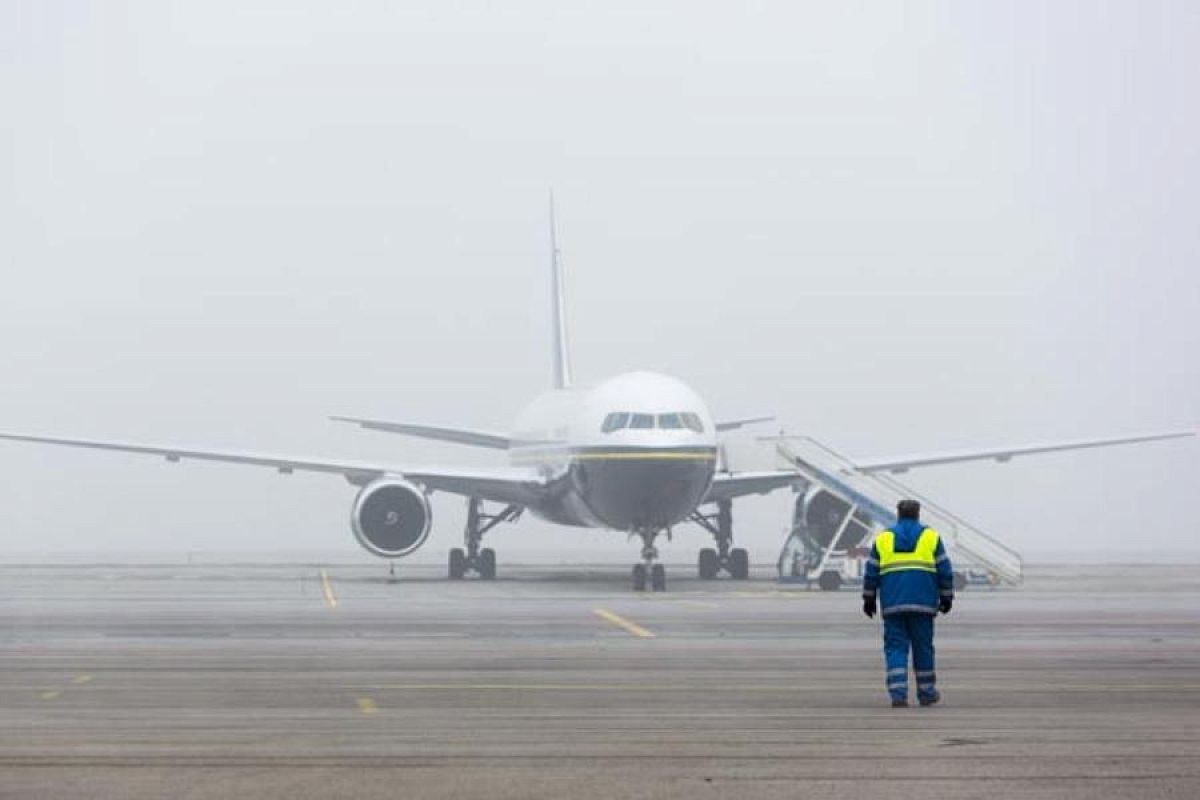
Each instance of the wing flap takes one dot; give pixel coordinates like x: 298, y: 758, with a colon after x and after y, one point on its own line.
x: 506, y: 485
x: 726, y: 486
x: 898, y: 464
x: 475, y: 438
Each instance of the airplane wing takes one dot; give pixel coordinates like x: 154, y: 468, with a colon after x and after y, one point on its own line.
x: 726, y: 486
x: 474, y: 438
x: 734, y: 424
x: 506, y: 485
x: 900, y: 464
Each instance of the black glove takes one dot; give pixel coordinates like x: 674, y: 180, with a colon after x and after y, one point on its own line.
x: 869, y: 606
x: 946, y: 604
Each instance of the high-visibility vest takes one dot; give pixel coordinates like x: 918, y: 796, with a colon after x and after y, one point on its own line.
x: 921, y: 558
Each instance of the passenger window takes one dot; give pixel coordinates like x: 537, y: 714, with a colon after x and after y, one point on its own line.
x: 670, y: 422
x: 641, y: 421
x: 692, y: 421
x: 615, y: 421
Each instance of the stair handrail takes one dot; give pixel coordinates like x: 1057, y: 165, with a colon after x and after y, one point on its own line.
x: 1007, y: 563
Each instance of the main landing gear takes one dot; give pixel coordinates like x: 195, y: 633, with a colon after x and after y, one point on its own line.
x: 481, y: 561
x: 734, y: 560
x: 649, y: 569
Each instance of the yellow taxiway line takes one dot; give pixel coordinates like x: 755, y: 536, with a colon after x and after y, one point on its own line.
x: 327, y: 589
x: 367, y: 706
x: 54, y: 694
x: 621, y: 622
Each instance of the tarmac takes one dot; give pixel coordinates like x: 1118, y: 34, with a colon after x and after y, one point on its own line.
x: 319, y: 681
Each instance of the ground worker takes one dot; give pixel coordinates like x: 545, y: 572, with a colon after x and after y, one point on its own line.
x: 911, y: 572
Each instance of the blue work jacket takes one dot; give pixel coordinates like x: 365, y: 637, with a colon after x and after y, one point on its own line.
x: 909, y: 569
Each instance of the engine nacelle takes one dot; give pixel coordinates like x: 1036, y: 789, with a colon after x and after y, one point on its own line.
x: 391, y: 517
x: 820, y: 514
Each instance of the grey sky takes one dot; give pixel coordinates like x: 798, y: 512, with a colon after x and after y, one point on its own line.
x: 901, y: 227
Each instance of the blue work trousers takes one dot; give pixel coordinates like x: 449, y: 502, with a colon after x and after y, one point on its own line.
x: 902, y: 632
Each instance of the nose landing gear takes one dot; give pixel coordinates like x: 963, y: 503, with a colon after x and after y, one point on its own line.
x: 649, y: 568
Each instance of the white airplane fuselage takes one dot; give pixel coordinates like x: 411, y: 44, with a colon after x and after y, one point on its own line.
x: 636, y: 452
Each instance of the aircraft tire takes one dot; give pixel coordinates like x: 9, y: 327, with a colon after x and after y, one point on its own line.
x: 708, y: 564
x: 739, y: 564
x: 458, y: 564
x: 639, y: 577
x: 487, y: 564
x: 658, y: 578
x: 829, y: 581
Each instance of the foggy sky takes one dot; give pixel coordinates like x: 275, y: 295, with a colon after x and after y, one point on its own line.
x: 900, y: 227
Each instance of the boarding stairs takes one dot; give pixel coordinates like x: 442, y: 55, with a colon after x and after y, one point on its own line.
x: 840, y: 509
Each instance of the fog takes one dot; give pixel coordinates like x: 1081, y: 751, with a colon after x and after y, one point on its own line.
x: 898, y: 228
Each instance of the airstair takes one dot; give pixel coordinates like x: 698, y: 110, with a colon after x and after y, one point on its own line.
x: 840, y: 509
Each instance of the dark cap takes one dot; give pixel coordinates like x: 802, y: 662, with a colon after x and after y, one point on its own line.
x: 908, y: 509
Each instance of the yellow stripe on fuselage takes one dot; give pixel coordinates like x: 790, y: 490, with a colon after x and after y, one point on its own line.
x: 659, y: 455
x: 664, y: 455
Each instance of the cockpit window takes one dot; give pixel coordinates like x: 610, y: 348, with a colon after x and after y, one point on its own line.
x: 641, y: 421
x: 615, y: 421
x: 670, y: 422
x: 673, y: 421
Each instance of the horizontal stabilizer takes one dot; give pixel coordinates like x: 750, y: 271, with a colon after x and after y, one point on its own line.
x: 474, y: 438
x: 734, y: 424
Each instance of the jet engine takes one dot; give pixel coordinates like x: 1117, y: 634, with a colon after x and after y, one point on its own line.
x: 391, y: 517
x: 820, y: 514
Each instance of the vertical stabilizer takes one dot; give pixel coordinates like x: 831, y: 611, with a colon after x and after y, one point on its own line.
x: 562, y: 359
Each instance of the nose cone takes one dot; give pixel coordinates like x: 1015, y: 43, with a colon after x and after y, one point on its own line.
x: 639, y: 489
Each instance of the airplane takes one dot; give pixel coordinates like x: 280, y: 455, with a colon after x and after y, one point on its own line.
x: 638, y: 453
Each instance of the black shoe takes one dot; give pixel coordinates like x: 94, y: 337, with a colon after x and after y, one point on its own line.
x: 928, y: 701
x: 900, y: 703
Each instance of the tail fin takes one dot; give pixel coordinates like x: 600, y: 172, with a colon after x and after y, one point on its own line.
x: 562, y: 357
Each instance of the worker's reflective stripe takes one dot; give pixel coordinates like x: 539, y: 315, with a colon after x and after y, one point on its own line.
x: 898, y: 671
x: 921, y: 558
x: 901, y: 566
x: 947, y: 593
x: 930, y: 675
x: 910, y: 607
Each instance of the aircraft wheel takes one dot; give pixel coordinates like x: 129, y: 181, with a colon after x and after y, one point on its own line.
x: 739, y: 564
x: 458, y: 564
x: 487, y: 564
x: 658, y: 578
x: 829, y: 581
x: 639, y: 577
x: 708, y: 564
